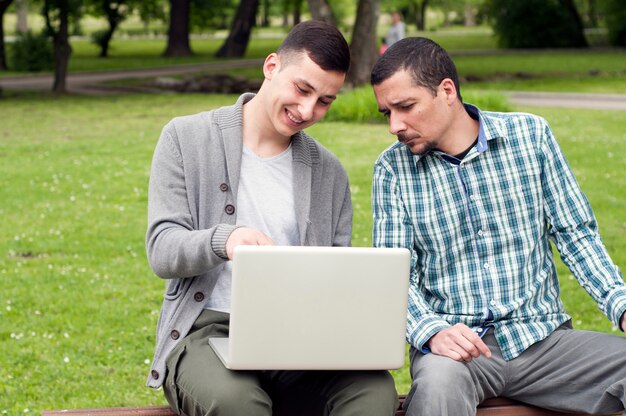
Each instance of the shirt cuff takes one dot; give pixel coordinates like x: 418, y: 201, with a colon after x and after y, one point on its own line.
x: 616, y: 305
x: 423, y: 330
x: 219, y: 238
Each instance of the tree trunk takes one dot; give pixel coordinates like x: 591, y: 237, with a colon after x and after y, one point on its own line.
x: 297, y: 12
x: 578, y: 38
x: 592, y: 14
x: 178, y: 32
x: 62, y: 48
x: 363, y: 48
x: 265, y: 21
x: 4, y: 5
x: 321, y: 10
x: 469, y: 15
x: 237, y: 41
x: 113, y: 18
x: 422, y: 13
x: 104, y: 46
x: 21, y: 8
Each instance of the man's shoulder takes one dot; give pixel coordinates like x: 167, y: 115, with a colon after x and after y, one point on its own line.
x: 394, y: 153
x: 188, y: 120
x: 225, y: 117
x: 311, y: 148
x: 512, y: 120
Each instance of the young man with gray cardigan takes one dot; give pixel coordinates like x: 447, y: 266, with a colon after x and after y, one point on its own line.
x: 248, y: 174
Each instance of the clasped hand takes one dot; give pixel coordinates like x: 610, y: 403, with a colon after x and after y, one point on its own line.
x: 248, y: 237
x: 458, y: 342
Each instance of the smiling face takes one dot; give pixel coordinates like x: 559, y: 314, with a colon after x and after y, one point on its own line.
x: 420, y: 119
x: 297, y: 92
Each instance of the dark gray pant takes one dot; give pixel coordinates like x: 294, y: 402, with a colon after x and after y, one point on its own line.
x: 197, y: 383
x: 571, y: 370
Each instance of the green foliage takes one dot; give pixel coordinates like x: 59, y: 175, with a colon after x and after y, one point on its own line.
x: 212, y: 14
x: 100, y: 38
x: 358, y: 105
x: 31, y: 53
x: 535, y: 24
x: 616, y: 21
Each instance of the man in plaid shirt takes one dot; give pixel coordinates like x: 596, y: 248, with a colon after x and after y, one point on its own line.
x: 477, y: 196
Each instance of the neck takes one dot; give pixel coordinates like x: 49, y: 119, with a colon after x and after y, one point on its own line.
x: 461, y: 134
x: 258, y: 133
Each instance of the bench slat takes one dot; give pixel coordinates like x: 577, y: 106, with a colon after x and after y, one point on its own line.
x: 490, y: 407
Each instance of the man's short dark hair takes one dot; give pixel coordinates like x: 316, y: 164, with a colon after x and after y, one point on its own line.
x: 426, y: 61
x: 322, y: 42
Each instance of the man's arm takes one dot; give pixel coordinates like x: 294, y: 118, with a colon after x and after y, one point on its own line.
x: 393, y: 228
x: 174, y: 248
x: 343, y: 230
x: 575, y: 232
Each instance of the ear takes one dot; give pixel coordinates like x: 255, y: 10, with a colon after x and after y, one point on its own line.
x: 271, y: 64
x: 448, y: 88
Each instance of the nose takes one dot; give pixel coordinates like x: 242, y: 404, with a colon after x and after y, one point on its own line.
x: 306, y: 109
x: 396, y: 124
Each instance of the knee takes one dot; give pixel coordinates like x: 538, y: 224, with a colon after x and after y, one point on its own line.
x: 441, y: 375
x: 373, y: 393
x: 224, y: 399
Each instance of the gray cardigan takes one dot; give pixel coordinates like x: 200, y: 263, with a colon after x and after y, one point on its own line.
x: 192, y: 210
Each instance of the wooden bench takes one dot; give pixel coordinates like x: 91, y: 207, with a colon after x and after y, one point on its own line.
x: 490, y: 407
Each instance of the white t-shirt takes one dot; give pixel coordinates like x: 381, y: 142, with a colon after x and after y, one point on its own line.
x: 265, y: 201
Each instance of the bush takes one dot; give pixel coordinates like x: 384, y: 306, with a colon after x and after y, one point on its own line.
x: 359, y: 105
x: 32, y: 53
x: 616, y: 22
x: 536, y: 23
x: 100, y: 38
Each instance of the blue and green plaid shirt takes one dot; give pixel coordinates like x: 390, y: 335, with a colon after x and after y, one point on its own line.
x: 479, y: 231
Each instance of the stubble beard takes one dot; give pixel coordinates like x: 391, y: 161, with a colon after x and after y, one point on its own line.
x: 419, y: 149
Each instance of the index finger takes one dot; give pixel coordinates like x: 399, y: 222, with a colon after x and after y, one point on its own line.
x: 477, y: 341
x: 264, y: 240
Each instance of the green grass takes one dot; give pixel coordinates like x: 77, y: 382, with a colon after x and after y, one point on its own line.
x: 78, y: 302
x: 608, y: 84
x: 474, y: 51
x: 460, y: 39
x: 147, y: 53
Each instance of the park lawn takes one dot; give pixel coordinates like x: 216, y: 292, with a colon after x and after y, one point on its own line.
x: 78, y: 302
x: 474, y: 50
x: 607, y: 84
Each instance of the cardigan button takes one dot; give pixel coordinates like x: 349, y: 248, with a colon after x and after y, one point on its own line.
x: 229, y: 209
x: 155, y: 374
x: 224, y: 187
x: 175, y: 334
x: 198, y: 296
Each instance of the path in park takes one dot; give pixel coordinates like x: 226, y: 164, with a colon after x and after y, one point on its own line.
x: 91, y: 83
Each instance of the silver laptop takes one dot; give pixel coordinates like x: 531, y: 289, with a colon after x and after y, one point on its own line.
x: 316, y: 308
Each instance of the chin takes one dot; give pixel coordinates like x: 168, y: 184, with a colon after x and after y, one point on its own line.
x: 420, y: 149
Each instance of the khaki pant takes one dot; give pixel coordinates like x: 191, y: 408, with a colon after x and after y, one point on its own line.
x: 571, y: 371
x: 197, y: 383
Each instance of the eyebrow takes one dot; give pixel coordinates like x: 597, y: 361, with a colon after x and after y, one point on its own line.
x: 308, y: 85
x: 394, y: 104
